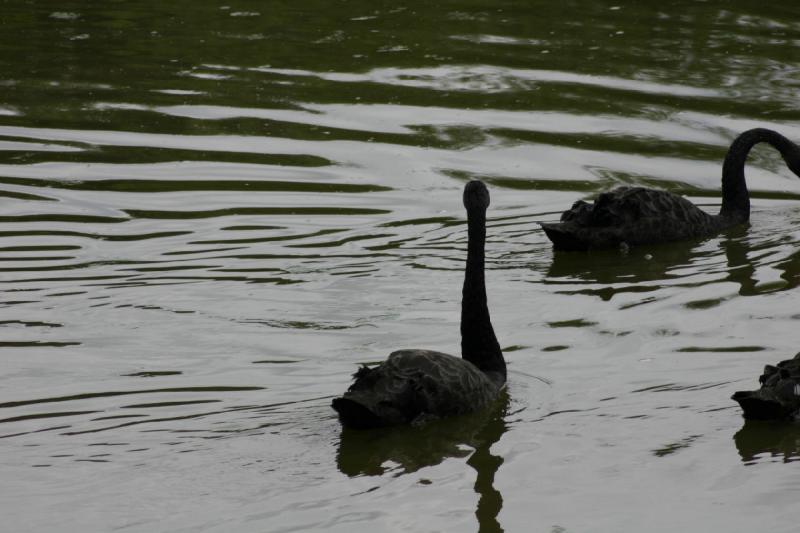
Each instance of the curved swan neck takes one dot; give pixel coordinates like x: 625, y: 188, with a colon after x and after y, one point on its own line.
x: 478, y: 342
x: 735, y: 197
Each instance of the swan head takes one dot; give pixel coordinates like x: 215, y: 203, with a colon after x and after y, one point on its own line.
x: 476, y: 195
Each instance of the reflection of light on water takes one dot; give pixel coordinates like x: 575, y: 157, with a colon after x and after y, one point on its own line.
x: 490, y: 78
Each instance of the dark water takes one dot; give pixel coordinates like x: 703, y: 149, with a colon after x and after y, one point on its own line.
x: 212, y: 212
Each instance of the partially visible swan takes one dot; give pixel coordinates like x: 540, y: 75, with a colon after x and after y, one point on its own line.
x: 779, y: 395
x: 412, y: 386
x: 635, y: 215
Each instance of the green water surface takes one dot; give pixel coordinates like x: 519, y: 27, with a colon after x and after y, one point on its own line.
x: 212, y: 212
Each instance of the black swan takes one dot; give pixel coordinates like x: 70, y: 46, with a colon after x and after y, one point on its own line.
x: 413, y: 386
x: 779, y: 395
x: 636, y: 215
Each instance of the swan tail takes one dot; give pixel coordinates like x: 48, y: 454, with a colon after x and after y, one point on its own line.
x: 354, y: 414
x: 564, y: 237
x: 370, y: 400
x: 756, y: 406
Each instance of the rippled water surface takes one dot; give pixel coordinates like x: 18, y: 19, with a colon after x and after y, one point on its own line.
x: 211, y: 213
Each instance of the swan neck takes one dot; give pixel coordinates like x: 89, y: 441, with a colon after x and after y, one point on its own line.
x: 735, y: 196
x: 478, y: 342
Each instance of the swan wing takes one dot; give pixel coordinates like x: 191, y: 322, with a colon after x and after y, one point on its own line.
x: 419, y: 383
x: 631, y: 215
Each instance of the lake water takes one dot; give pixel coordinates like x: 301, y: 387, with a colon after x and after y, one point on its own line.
x: 212, y: 212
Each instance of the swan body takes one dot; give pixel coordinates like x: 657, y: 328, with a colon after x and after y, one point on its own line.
x: 636, y: 215
x: 630, y: 215
x: 413, y: 386
x: 779, y: 395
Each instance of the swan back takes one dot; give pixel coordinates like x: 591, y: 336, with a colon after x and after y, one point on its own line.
x: 412, y: 386
x: 631, y: 215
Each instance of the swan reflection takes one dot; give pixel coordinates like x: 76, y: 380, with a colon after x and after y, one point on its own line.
x: 643, y: 263
x: 404, y: 450
x: 777, y: 439
x: 631, y: 271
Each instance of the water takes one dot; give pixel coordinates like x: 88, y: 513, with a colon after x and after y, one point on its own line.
x: 213, y: 212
